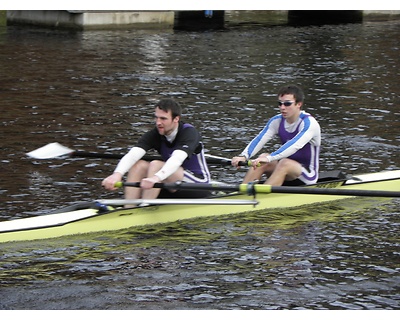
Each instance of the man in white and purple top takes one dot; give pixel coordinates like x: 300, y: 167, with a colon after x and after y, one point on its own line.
x: 298, y: 157
x: 181, y: 150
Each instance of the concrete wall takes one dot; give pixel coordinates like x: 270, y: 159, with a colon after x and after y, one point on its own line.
x: 128, y: 18
x: 91, y: 19
x: 147, y: 19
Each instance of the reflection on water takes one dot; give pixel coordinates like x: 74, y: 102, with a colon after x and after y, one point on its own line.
x: 335, y: 256
x: 95, y: 90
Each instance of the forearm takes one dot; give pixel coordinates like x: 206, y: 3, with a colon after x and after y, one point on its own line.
x: 172, y: 164
x: 265, y: 135
x: 129, y: 160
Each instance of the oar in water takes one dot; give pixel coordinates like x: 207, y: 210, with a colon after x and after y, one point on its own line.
x: 252, y: 189
x: 54, y: 150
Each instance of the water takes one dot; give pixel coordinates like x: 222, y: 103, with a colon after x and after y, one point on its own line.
x: 95, y: 90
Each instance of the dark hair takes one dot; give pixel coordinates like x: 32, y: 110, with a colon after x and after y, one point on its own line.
x: 168, y: 104
x: 296, y: 91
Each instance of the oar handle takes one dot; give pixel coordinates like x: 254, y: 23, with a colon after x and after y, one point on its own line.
x: 228, y: 162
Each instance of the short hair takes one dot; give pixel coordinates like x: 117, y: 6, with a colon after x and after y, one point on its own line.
x: 168, y: 104
x: 296, y: 91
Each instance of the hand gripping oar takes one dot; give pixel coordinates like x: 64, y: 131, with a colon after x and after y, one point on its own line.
x: 54, y: 150
x: 253, y: 188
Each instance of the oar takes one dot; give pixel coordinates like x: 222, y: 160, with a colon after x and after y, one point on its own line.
x: 200, y: 201
x: 252, y: 189
x: 54, y: 150
x: 61, y: 218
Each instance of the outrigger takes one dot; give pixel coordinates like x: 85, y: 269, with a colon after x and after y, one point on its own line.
x: 110, y: 214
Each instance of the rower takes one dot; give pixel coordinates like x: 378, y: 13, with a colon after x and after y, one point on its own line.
x: 181, y: 150
x: 300, y: 134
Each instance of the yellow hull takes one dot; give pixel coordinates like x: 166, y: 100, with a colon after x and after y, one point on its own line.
x: 91, y: 221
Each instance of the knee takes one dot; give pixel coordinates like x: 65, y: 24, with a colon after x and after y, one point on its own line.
x: 140, y: 166
x: 284, y: 162
x: 288, y: 165
x: 155, y: 165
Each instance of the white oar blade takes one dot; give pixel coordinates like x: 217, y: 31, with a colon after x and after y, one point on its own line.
x: 51, y: 150
x: 201, y: 201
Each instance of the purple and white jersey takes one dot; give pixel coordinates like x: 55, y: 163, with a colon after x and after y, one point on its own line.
x: 300, y: 140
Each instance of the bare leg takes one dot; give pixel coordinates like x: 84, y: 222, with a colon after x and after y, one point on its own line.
x: 256, y: 174
x: 153, y: 168
x: 136, y: 174
x: 286, y: 169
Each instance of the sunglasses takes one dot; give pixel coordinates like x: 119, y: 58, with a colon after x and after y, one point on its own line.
x: 285, y: 103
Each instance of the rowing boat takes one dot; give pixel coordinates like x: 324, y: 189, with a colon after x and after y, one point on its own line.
x: 110, y: 215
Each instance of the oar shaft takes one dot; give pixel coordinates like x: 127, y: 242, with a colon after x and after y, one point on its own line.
x: 185, y: 186
x: 84, y: 154
x: 209, y: 159
x: 336, y: 192
x: 264, y: 188
x: 54, y: 149
x: 179, y: 201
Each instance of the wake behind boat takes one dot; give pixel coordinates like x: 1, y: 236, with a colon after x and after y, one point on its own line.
x: 109, y: 215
